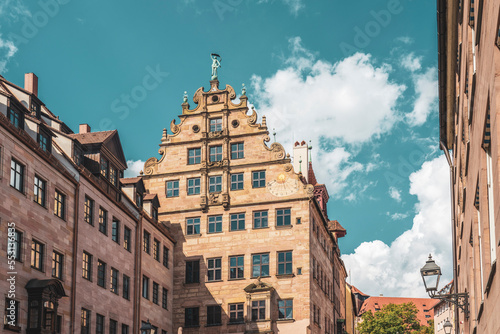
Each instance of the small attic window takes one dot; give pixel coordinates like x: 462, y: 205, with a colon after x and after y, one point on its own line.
x: 215, y: 98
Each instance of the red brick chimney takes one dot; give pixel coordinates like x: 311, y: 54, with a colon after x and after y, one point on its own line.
x: 84, y: 128
x: 31, y: 83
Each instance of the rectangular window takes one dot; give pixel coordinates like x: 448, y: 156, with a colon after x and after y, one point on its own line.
x: 214, y: 267
x: 127, y: 240
x: 154, y: 214
x: 103, y: 221
x: 215, y: 153
x: 57, y: 265
x: 113, y: 176
x: 99, y: 323
x: 164, y: 299
x: 156, y: 250
x: 85, y: 321
x: 15, y: 118
x: 126, y: 287
x: 237, y: 151
x: 260, y: 219
x: 214, y: 224
x: 214, y: 315
x: 44, y: 141
x: 88, y: 215
x: 16, y: 246
x: 12, y: 308
x: 193, y: 271
x: 237, y: 181
x: 37, y: 254
x: 156, y: 287
x: 237, y: 221
x: 194, y: 156
x: 215, y: 124
x: 285, y: 309
x: 259, y: 179
x: 59, y: 204
x: 113, y: 325
x: 173, y: 188
x: 104, y: 167
x: 87, y: 266
x: 260, y: 265
x: 191, y: 317
x: 101, y: 273
x: 17, y: 175
x: 236, y: 313
x: 283, y: 217
x: 236, y: 267
x: 145, y: 287
x: 284, y: 263
x: 258, y: 310
x: 145, y: 241
x: 115, y: 230
x: 165, y: 256
x: 39, y: 190
x: 215, y: 184
x: 138, y: 199
x: 113, y: 282
x: 193, y: 226
x: 193, y: 187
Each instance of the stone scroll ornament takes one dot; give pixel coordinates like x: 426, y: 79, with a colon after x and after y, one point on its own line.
x: 276, y: 148
x: 152, y: 163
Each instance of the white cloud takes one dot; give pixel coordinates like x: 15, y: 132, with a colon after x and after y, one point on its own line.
x: 395, y: 194
x: 12, y: 10
x: 7, y: 51
x: 134, y: 167
x: 394, y: 270
x: 349, y: 102
x: 411, y: 63
x: 405, y: 40
x: 426, y: 89
x: 294, y: 5
x: 397, y: 215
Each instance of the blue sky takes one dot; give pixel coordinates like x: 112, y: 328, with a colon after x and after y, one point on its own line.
x: 357, y: 78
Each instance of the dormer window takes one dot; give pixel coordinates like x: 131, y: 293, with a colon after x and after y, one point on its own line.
x: 215, y: 124
x: 15, y: 117
x: 113, y: 176
x: 154, y: 213
x: 35, y: 108
x: 44, y: 141
x: 104, y: 167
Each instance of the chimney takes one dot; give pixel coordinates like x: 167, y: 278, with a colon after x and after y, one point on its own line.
x: 300, y: 157
x: 84, y: 128
x: 31, y: 83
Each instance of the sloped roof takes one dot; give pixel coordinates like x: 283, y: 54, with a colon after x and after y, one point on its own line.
x: 425, y: 306
x: 311, y: 177
x: 93, y: 137
x: 356, y: 290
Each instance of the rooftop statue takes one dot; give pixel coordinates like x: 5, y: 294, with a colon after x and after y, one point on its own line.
x: 216, y: 59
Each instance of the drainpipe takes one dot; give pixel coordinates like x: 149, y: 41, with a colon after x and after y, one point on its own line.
x: 75, y: 255
x: 454, y: 232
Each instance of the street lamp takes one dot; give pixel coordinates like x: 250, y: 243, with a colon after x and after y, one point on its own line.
x: 146, y: 327
x: 447, y: 327
x: 431, y: 273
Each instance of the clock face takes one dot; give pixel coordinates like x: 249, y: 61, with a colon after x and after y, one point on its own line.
x: 283, y: 186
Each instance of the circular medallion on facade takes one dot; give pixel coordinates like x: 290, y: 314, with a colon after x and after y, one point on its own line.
x: 283, y: 186
x: 196, y: 128
x: 235, y: 123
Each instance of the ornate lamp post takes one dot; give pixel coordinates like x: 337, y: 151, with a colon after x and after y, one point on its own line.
x: 431, y: 273
x: 146, y: 328
x: 447, y: 327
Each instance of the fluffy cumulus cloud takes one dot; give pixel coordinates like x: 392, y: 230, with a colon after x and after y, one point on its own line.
x: 12, y: 10
x: 395, y: 194
x: 349, y: 102
x: 134, y: 168
x: 411, y: 62
x: 7, y: 51
x: 394, y: 270
x: 426, y: 89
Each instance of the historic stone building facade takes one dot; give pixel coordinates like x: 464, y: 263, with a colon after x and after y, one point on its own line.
x: 76, y: 253
x: 255, y: 251
x: 469, y: 69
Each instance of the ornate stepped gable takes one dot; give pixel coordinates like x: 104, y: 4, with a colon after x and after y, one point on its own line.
x: 236, y: 125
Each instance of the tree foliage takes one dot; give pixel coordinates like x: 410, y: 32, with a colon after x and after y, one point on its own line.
x: 393, y: 319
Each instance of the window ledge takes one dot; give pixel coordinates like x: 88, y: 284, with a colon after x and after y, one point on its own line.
x: 284, y: 226
x: 261, y: 276
x: 285, y: 275
x: 237, y: 279
x: 191, y: 326
x: 213, y: 325
x: 214, y: 281
x: 12, y: 328
x: 242, y: 322
x: 193, y: 235
x: 191, y: 284
x: 286, y: 320
x: 261, y: 228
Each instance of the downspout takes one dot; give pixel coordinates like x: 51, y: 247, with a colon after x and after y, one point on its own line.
x: 75, y: 255
x: 138, y: 276
x: 454, y: 232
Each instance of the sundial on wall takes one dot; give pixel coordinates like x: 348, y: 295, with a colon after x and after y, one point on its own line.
x: 283, y: 186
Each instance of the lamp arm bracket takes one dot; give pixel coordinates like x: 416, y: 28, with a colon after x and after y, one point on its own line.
x: 459, y: 299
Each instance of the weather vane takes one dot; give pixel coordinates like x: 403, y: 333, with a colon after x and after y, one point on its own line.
x: 216, y: 59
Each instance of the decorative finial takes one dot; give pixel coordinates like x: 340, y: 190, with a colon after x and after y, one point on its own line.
x: 185, y: 99
x: 243, y: 89
x: 141, y: 172
x: 264, y: 122
x: 274, y: 134
x: 310, y: 151
x: 164, y: 137
x: 216, y: 59
x: 300, y: 164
